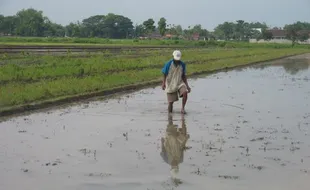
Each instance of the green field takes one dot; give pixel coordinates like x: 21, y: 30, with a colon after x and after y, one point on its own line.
x: 27, y: 79
x: 50, y: 41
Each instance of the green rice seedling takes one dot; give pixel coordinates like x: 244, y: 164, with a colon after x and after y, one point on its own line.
x: 57, y: 77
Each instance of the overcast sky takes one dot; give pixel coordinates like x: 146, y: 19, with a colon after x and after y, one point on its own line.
x: 208, y: 13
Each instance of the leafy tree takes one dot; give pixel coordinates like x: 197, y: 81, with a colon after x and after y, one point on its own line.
x: 303, y: 35
x: 171, y: 30
x: 56, y: 30
x: 149, y: 25
x: 248, y: 31
x: 178, y: 30
x: 297, y: 31
x: 175, y: 30
x: 225, y: 30
x: 1, y: 22
x: 124, y: 27
x: 218, y: 34
x: 53, y: 29
x: 266, y: 34
x: 292, y: 32
x: 93, y: 26
x: 107, y: 26
x: 255, y: 34
x: 30, y: 22
x: 240, y: 29
x: 116, y: 26
x: 302, y: 25
x: 139, y: 30
x: 199, y: 30
x: 258, y: 25
x: 8, y: 25
x: 73, y: 29
x: 188, y: 33
x: 212, y: 36
x: 162, y: 25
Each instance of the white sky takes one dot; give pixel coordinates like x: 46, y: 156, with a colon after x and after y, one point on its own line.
x: 208, y: 13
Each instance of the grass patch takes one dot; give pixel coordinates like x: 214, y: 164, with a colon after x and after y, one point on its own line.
x: 50, y: 67
x: 51, y: 77
x: 58, y: 41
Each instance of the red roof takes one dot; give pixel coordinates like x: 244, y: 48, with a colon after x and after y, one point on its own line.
x: 278, y: 32
x: 282, y: 33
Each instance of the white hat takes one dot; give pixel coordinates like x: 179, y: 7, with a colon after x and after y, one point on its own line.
x: 177, y: 55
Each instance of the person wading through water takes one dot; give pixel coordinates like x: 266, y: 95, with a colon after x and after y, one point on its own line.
x: 175, y: 81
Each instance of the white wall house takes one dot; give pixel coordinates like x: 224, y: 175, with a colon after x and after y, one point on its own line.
x: 279, y: 36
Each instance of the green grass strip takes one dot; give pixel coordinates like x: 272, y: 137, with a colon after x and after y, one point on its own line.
x: 51, y: 67
x: 15, y: 93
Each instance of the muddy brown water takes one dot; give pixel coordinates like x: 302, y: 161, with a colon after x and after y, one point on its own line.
x: 245, y: 129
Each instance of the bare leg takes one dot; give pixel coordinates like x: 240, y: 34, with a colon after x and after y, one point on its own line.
x: 170, y: 120
x: 170, y: 107
x: 184, y: 100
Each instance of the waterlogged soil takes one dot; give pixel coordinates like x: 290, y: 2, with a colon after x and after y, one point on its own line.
x: 244, y: 129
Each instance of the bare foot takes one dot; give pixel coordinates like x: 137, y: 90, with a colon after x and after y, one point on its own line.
x: 183, y: 111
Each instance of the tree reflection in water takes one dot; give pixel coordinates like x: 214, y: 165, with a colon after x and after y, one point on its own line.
x: 291, y: 66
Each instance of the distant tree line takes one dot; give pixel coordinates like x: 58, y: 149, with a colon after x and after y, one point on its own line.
x: 241, y: 30
x: 297, y: 31
x: 32, y: 23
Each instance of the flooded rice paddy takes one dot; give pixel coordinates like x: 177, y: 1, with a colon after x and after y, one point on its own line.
x: 244, y: 129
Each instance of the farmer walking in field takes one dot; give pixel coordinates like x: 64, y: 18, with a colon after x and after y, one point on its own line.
x: 175, y: 81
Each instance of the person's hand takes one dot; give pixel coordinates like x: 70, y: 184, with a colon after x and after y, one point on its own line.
x: 163, y: 86
x: 189, y: 89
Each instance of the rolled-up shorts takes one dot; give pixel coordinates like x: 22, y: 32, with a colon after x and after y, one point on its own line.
x: 173, y: 97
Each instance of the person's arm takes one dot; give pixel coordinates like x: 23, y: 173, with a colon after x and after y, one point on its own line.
x: 184, y: 78
x: 163, y: 85
x: 165, y: 71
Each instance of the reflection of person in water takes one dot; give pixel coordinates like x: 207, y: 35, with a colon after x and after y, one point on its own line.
x: 173, y: 145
